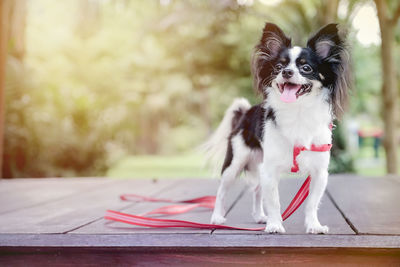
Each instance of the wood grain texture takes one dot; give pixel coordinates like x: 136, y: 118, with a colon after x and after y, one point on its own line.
x: 183, y: 189
x: 66, y: 214
x: 70, y: 215
x: 370, y: 204
x: 165, y: 240
x: 17, y: 194
x: 240, y: 215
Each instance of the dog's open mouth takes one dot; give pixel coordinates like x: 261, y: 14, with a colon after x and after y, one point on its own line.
x: 291, y: 91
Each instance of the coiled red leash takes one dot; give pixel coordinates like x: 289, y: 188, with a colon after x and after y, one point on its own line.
x: 205, y: 202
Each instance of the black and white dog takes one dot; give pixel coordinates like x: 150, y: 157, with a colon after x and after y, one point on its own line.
x: 304, y: 90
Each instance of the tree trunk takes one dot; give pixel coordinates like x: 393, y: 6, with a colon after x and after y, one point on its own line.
x: 389, y: 87
x: 16, y: 28
x: 331, y: 9
x: 88, y: 17
x: 3, y: 54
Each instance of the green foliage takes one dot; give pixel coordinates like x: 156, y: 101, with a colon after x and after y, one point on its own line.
x: 367, y: 90
x: 116, y: 78
x: 105, y: 79
x: 341, y: 160
x: 156, y: 166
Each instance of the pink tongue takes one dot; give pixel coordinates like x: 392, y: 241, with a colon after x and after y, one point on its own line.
x: 289, y: 92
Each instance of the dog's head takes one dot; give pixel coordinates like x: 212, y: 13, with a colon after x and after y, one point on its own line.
x: 297, y: 73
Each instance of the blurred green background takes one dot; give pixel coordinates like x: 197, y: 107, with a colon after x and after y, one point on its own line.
x: 129, y: 88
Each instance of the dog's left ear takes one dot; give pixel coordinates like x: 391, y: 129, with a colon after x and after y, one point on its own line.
x: 330, y: 46
x: 273, y: 40
x: 327, y: 43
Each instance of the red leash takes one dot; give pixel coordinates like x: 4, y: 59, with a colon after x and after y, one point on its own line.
x: 205, y: 202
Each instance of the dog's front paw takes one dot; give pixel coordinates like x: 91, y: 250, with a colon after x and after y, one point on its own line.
x: 274, y: 228
x: 317, y: 229
x: 217, y: 219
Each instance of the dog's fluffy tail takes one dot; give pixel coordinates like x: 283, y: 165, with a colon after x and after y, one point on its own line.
x: 215, y: 147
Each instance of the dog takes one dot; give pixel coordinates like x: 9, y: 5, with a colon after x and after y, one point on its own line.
x: 304, y: 90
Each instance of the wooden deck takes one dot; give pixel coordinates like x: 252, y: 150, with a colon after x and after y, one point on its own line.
x: 62, y: 217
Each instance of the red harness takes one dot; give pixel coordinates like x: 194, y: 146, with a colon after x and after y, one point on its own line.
x: 205, y: 202
x: 298, y: 149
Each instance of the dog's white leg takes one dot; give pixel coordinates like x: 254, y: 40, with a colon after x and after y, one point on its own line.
x: 270, y: 194
x: 319, y: 180
x: 229, y: 175
x: 239, y: 160
x: 258, y: 209
x: 253, y: 177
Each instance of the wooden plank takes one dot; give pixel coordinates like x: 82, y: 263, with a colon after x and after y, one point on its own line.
x: 183, y: 189
x: 240, y: 215
x: 370, y: 204
x: 69, y: 213
x: 198, y: 240
x: 30, y: 227
x: 23, y: 193
x: 203, y: 257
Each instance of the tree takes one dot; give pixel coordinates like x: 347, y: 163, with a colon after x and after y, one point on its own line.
x: 16, y: 28
x: 4, y: 15
x: 12, y: 42
x: 330, y: 12
x: 305, y: 16
x: 387, y: 23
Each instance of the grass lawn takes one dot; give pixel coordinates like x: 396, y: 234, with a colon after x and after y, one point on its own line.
x: 191, y: 165
x: 367, y: 164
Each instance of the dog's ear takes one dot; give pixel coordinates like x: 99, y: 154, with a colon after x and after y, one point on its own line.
x: 326, y: 43
x: 273, y: 40
x: 330, y: 45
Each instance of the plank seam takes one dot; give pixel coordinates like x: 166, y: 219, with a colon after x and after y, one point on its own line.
x: 121, y: 209
x: 352, y: 226
x: 233, y: 204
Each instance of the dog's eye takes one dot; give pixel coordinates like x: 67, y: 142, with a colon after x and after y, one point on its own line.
x: 306, y: 68
x: 279, y: 67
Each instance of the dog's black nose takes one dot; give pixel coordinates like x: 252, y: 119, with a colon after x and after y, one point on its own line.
x: 287, y: 73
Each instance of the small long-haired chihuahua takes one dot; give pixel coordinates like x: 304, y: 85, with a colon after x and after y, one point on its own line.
x: 304, y: 90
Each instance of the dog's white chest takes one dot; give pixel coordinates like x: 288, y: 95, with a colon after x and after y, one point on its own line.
x: 296, y: 130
